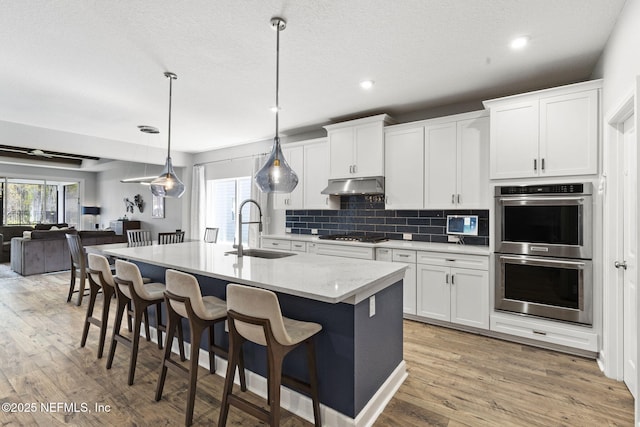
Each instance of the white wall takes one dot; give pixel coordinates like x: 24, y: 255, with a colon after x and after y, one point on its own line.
x: 620, y: 63
x: 111, y: 194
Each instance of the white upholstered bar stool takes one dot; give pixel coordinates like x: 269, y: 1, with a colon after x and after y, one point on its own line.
x: 131, y: 289
x: 183, y: 299
x: 254, y: 315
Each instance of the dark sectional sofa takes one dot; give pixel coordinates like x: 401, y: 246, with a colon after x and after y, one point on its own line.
x: 47, y: 251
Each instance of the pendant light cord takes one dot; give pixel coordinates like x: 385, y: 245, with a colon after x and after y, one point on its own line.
x: 171, y: 77
x: 277, y: 73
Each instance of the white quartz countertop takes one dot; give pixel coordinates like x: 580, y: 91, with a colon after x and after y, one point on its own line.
x: 322, y: 278
x: 392, y: 244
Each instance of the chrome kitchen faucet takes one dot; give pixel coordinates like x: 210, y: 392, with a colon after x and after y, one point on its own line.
x: 240, y: 223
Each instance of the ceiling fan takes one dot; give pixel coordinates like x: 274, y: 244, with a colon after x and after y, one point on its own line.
x: 37, y: 153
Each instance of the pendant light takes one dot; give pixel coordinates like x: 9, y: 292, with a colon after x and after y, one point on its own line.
x: 168, y: 184
x: 276, y: 176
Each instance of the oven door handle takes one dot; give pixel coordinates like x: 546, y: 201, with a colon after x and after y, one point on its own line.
x: 564, y: 200
x: 577, y: 265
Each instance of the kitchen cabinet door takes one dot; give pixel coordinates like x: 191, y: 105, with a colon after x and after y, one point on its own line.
x: 369, y: 150
x: 409, y: 289
x: 470, y: 297
x: 404, y: 166
x: 440, y: 166
x: 295, y: 157
x: 433, y: 292
x: 473, y: 164
x: 514, y: 140
x: 341, y: 151
x: 316, y: 177
x: 569, y: 134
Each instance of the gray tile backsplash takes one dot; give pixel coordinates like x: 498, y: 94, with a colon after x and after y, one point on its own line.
x: 366, y: 215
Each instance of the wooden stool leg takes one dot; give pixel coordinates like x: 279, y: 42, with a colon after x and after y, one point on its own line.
x: 146, y: 323
x: 235, y: 345
x: 72, y: 282
x: 135, y: 339
x: 172, y: 323
x: 159, y: 325
x: 93, y: 289
x: 82, y: 277
x: 129, y: 320
x: 212, y: 356
x: 196, y: 336
x: 181, y: 341
x: 313, y: 381
x: 122, y: 307
x: 275, y: 377
x: 107, y: 294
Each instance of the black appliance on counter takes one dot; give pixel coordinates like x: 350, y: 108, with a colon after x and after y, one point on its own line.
x: 354, y: 238
x: 544, y: 251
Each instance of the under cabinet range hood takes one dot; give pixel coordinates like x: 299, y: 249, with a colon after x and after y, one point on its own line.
x: 354, y: 186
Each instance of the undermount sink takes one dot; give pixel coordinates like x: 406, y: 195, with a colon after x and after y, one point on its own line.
x: 260, y: 253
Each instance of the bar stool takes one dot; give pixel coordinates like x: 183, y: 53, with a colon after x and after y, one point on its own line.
x: 183, y: 299
x: 100, y: 278
x: 131, y: 289
x: 254, y: 315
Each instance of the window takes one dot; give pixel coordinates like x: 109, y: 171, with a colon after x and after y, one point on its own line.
x: 224, y: 197
x: 34, y: 201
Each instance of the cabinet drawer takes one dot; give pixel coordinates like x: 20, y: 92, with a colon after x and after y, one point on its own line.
x: 384, y: 254
x: 403, y: 255
x: 345, y: 251
x: 540, y: 330
x: 475, y: 262
x: 299, y: 246
x: 284, y: 245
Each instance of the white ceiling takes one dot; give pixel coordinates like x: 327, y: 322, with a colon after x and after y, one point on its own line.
x: 96, y: 67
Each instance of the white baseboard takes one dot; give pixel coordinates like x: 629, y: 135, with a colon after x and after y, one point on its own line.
x: 300, y: 404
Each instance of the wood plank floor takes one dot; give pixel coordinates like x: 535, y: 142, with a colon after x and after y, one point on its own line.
x: 455, y: 378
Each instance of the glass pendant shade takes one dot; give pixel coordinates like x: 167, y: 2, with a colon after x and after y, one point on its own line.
x: 276, y: 176
x: 167, y: 184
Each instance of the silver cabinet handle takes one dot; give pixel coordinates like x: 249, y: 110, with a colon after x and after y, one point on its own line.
x: 446, y: 279
x: 458, y: 198
x: 619, y: 264
x: 403, y: 255
x: 453, y: 279
x: 535, y: 164
x: 542, y: 164
x: 355, y: 168
x: 453, y: 199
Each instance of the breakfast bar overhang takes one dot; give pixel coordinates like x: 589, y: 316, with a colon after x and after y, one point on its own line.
x: 357, y: 302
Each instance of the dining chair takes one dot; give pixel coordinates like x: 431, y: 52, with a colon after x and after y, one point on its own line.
x: 171, y: 237
x: 78, y: 266
x: 211, y: 234
x: 139, y: 237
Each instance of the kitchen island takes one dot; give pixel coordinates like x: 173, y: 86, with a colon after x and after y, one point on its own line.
x: 357, y: 302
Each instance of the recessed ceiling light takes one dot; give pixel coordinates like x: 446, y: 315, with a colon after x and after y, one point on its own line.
x: 366, y: 84
x: 519, y: 42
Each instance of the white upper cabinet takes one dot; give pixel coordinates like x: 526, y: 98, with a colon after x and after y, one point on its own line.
x: 403, y: 164
x: 293, y: 200
x: 356, y: 148
x: 548, y: 133
x: 316, y: 176
x: 438, y: 164
x: 472, y: 177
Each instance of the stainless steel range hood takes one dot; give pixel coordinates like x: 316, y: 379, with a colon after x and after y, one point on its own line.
x: 353, y: 186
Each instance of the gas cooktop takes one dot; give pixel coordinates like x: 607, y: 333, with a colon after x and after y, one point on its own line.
x: 354, y: 238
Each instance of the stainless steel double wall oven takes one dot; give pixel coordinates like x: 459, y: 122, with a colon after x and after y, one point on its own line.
x: 544, y: 250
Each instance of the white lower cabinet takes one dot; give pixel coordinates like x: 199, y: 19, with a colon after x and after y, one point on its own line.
x: 279, y: 244
x: 453, y: 288
x: 408, y: 258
